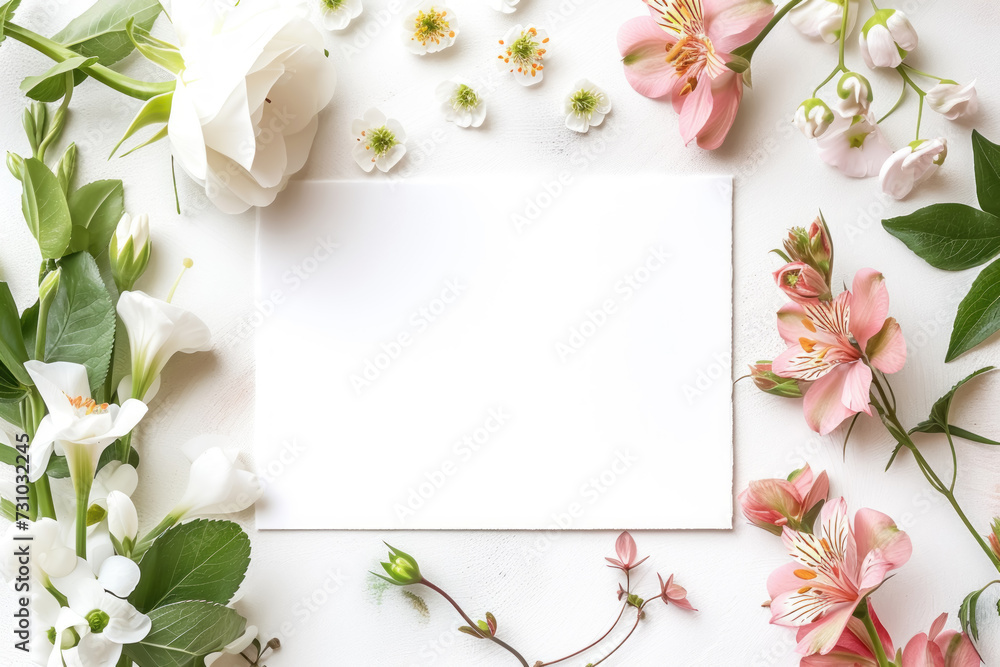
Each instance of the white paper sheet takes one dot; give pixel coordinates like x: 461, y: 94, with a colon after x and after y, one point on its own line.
x: 510, y: 353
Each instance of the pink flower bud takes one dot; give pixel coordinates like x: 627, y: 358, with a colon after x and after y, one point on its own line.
x: 774, y: 503
x: 771, y: 383
x: 802, y: 283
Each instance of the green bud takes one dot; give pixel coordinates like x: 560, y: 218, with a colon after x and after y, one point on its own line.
x: 771, y: 383
x: 129, y: 250
x: 66, y: 167
x: 48, y: 287
x: 15, y: 164
x: 28, y: 123
x: 401, y: 567
x: 40, y: 114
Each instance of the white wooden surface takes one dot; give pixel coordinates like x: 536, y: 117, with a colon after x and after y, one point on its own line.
x: 551, y: 591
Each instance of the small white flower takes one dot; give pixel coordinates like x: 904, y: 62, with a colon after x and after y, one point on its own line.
x: 461, y: 104
x: 824, y: 18
x: 81, y: 427
x: 505, y: 6
x: 338, y: 14
x: 235, y: 647
x: 855, y: 95
x: 953, y: 100
x: 430, y: 27
x: 217, y: 484
x: 524, y: 53
x: 912, y: 165
x: 855, y: 146
x: 586, y: 106
x: 123, y: 520
x: 381, y: 141
x: 887, y: 38
x: 96, y: 612
x: 813, y: 118
x: 157, y: 330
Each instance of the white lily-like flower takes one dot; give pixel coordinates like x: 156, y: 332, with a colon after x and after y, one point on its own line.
x: 824, y: 18
x: 97, y: 613
x: 157, y: 330
x: 380, y: 141
x: 338, y: 14
x: 912, y: 165
x: 234, y: 647
x: 77, y: 424
x: 586, y: 106
x: 123, y: 520
x: 51, y: 556
x: 953, y: 100
x: 129, y: 250
x: 887, y: 38
x: 45, y: 635
x: 460, y: 103
x: 524, y: 50
x: 855, y: 93
x: 855, y: 146
x: 813, y: 118
x: 505, y: 6
x: 429, y: 27
x: 217, y: 483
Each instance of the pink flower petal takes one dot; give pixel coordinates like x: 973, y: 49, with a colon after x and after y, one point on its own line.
x: 857, y: 387
x: 643, y: 45
x: 887, y: 348
x: 920, y: 652
x: 869, y: 305
x: 823, y: 404
x: 958, y: 649
x: 733, y: 23
x: 728, y: 92
x: 881, y: 547
x: 824, y: 634
x: 790, y: 326
x: 697, y: 109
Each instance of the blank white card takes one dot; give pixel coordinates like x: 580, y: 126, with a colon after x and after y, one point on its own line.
x: 516, y: 353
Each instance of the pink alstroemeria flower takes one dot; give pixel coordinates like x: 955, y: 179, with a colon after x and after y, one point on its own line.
x: 832, y: 344
x: 627, y: 554
x: 941, y: 649
x: 771, y: 503
x: 854, y: 648
x: 801, y: 283
x: 682, y: 49
x: 674, y: 594
x: 833, y: 572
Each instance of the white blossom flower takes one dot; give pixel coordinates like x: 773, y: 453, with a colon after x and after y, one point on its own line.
x: 524, y: 53
x: 77, y: 424
x: 103, y: 621
x: 824, y: 18
x: 338, y: 14
x: 157, y: 330
x: 953, y: 100
x: 887, y: 38
x: 505, y: 6
x: 235, y: 647
x: 217, y: 483
x: 380, y: 141
x: 51, y: 556
x: 45, y: 613
x: 855, y: 93
x: 855, y: 146
x: 813, y: 118
x: 429, y: 27
x: 244, y: 112
x: 123, y: 520
x: 461, y: 103
x: 912, y: 165
x: 129, y: 250
x: 586, y: 106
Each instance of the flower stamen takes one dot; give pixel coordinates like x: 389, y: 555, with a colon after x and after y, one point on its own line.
x: 431, y: 26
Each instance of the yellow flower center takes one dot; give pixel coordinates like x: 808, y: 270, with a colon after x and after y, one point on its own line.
x: 525, y: 54
x: 431, y: 26
x: 86, y: 406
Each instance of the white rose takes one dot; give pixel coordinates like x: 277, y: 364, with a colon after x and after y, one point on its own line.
x: 244, y: 112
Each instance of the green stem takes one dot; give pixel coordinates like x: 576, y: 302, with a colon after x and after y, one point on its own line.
x: 142, y: 90
x: 920, y: 93
x: 926, y: 74
x: 83, y: 481
x: 748, y: 49
x: 147, y: 540
x: 41, y: 491
x: 841, y: 67
x: 880, y: 655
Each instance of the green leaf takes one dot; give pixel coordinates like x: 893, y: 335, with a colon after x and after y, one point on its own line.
x: 952, y: 237
x: 51, y: 86
x: 198, y: 560
x: 45, y: 209
x: 928, y: 427
x: 110, y: 454
x: 7, y: 13
x: 81, y: 325
x: 95, y: 210
x: 10, y: 456
x: 155, y: 110
x: 978, y: 315
x: 939, y: 420
x: 58, y: 467
x: 967, y: 612
x: 13, y: 354
x: 11, y: 391
x: 184, y: 633
x: 157, y: 51
x: 987, y: 158
x: 100, y: 31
